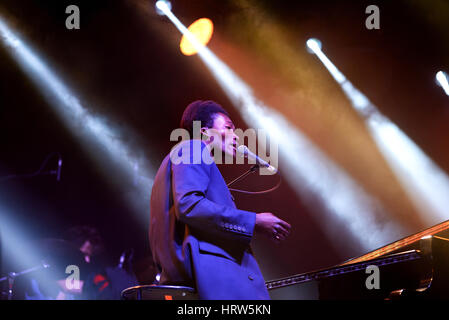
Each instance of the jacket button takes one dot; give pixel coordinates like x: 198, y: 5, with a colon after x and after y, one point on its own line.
x: 250, y: 277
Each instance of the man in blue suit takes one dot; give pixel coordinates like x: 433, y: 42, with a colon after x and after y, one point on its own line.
x: 197, y: 235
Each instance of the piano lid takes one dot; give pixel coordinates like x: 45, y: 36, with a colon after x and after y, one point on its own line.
x: 397, y: 245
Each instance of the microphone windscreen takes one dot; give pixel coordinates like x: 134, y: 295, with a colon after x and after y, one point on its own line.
x: 242, y: 150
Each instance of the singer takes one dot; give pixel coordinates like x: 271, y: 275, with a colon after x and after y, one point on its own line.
x: 197, y: 235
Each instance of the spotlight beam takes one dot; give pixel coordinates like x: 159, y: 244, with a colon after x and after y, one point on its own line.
x: 426, y: 184
x: 103, y: 140
x: 308, y: 169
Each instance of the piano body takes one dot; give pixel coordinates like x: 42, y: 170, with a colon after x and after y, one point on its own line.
x: 415, y: 267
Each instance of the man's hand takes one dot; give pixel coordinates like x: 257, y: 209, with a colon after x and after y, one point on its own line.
x: 272, y: 226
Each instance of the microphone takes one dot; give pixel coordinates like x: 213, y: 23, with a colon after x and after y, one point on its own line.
x: 126, y: 259
x: 243, y: 151
x: 122, y: 260
x: 58, y: 173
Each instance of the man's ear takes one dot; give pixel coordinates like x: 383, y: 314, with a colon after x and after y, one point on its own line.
x: 205, y: 132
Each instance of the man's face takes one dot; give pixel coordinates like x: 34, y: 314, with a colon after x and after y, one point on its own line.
x: 87, y: 248
x: 222, y: 131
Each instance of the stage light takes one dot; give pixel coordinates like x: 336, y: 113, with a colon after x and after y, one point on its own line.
x: 313, y: 45
x: 202, y: 30
x: 426, y: 184
x: 184, y: 31
x: 162, y: 5
x: 308, y: 170
x: 105, y: 141
x: 442, y: 80
x: 316, y: 49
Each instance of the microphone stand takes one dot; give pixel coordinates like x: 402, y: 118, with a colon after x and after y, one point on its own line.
x: 248, y: 172
x: 13, y: 275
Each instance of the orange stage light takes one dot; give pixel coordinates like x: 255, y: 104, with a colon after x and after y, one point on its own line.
x: 202, y: 29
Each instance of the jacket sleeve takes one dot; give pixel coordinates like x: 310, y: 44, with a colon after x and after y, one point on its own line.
x: 190, y: 183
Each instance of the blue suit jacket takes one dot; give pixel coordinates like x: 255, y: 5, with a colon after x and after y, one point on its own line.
x: 197, y: 235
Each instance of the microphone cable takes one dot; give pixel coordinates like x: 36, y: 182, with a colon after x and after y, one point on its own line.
x: 254, y: 192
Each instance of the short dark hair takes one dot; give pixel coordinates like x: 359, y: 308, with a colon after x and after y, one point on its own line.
x: 77, y: 235
x: 203, y: 111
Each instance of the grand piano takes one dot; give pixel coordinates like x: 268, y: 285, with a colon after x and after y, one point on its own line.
x: 415, y: 267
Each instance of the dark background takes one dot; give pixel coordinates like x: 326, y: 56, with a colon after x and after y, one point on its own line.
x: 126, y: 66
